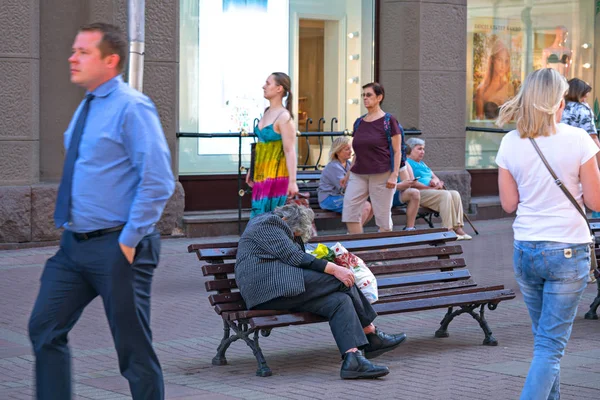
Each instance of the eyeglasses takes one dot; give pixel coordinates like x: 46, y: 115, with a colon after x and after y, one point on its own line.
x: 367, y: 94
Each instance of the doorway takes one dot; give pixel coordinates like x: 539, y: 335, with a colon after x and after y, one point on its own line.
x: 316, y: 97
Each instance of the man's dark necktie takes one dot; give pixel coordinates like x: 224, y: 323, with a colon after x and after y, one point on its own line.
x: 63, y: 200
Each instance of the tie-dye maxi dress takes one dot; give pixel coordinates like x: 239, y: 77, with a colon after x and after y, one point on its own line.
x: 270, y: 173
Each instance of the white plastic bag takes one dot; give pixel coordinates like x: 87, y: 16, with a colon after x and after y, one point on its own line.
x: 363, y: 277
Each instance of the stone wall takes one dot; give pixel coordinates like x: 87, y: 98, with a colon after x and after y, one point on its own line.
x: 422, y: 56
x: 38, y: 102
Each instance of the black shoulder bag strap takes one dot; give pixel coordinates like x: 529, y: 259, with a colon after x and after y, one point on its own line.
x: 594, y: 263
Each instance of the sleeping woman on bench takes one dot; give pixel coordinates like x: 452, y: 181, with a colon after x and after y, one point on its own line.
x: 330, y: 191
x: 273, y: 272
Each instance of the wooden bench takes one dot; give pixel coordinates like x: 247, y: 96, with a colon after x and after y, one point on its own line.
x: 592, y: 313
x: 416, y: 270
x: 309, y: 182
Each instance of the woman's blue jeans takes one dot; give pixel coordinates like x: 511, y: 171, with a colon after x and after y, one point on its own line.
x: 552, y: 277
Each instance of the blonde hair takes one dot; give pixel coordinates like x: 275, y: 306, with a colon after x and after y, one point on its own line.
x: 337, y: 145
x: 535, y: 106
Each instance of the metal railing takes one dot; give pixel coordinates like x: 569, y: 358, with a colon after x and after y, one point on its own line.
x: 488, y: 130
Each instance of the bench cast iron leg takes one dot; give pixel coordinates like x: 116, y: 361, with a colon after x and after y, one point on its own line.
x: 426, y: 217
x: 591, y: 314
x: 443, y: 331
x: 220, y: 359
x: 489, y: 340
x: 243, y: 332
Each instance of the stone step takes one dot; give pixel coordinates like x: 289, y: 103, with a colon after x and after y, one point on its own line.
x: 225, y: 222
x: 487, y: 207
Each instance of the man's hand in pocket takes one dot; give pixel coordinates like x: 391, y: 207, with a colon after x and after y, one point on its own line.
x: 128, y: 252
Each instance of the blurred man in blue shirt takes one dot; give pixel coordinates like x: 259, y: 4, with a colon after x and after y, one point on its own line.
x: 116, y: 181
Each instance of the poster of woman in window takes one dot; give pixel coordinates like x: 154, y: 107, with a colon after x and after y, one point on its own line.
x: 497, y: 52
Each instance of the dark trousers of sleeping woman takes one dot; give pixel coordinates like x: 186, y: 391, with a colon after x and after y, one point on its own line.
x: 346, y: 308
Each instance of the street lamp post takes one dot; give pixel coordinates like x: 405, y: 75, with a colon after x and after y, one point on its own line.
x: 136, y: 20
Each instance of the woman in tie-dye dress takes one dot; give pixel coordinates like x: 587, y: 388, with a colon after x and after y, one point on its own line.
x: 273, y: 179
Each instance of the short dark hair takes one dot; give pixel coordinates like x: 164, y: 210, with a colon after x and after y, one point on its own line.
x: 577, y: 89
x: 113, y: 41
x: 377, y: 88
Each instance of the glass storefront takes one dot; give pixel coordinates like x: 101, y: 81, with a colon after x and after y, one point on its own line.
x: 228, y: 49
x: 506, y: 40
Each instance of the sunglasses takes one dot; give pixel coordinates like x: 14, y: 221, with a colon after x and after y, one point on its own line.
x: 367, y: 94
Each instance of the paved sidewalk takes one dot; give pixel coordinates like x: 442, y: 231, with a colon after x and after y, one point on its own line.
x: 304, y: 359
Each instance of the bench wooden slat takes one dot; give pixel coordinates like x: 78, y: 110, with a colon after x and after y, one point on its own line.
x: 374, y: 235
x: 317, y: 239
x: 393, y: 268
x: 213, y: 269
x: 493, y: 296
x: 444, y: 301
x: 220, y: 284
x: 384, y: 291
x: 384, y: 255
x: 224, y: 298
x: 274, y: 321
x: 399, y: 241
x: 237, y: 306
x: 255, y: 313
x: 268, y: 313
x: 426, y: 287
x: 383, y: 283
x: 351, y: 245
x: 445, y: 291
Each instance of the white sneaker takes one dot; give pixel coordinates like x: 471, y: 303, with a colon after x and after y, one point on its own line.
x: 591, y: 277
x: 464, y: 237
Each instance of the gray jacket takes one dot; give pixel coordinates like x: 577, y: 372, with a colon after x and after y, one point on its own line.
x: 329, y: 184
x: 269, y: 262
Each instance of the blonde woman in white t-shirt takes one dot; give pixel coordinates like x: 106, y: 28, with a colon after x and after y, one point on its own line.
x: 551, y: 252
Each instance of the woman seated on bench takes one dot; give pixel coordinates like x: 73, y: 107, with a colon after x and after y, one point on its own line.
x: 407, y: 196
x: 273, y: 272
x: 433, y: 193
x: 330, y: 191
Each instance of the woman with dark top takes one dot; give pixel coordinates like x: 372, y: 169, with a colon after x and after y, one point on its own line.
x: 578, y: 113
x: 377, y: 160
x: 274, y: 272
x: 273, y: 178
x: 330, y: 191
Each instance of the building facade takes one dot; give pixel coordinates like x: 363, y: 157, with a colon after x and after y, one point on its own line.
x: 445, y: 66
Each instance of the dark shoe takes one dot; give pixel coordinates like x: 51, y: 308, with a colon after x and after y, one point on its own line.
x: 380, y: 342
x: 356, y: 366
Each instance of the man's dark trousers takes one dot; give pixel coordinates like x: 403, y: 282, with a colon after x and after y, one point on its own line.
x: 72, y: 278
x: 346, y: 308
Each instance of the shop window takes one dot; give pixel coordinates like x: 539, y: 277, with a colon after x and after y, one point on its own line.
x: 506, y: 40
x: 229, y: 47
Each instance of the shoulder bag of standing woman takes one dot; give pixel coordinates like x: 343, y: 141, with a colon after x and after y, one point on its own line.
x: 594, y: 263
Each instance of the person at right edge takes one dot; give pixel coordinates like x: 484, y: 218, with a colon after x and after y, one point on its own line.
x: 579, y: 114
x: 551, y: 239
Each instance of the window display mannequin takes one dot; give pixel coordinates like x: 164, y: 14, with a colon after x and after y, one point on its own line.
x: 558, y: 56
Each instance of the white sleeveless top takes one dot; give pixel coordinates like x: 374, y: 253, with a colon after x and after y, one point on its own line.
x: 544, y: 212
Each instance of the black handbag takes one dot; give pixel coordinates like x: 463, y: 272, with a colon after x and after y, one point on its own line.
x: 594, y: 262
